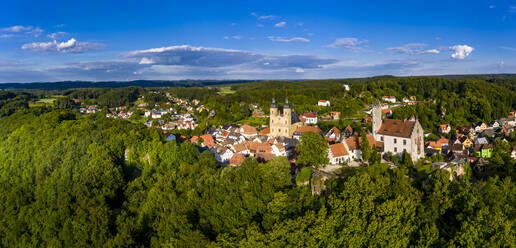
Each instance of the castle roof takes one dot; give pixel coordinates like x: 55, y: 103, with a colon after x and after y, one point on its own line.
x: 397, y: 128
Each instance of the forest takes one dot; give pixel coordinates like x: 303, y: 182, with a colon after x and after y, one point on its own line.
x: 73, y: 180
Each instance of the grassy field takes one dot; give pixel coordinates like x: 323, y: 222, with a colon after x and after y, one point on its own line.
x: 44, y: 101
x: 226, y: 90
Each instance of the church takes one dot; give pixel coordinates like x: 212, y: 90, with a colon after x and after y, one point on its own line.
x: 283, y: 121
x: 398, y: 135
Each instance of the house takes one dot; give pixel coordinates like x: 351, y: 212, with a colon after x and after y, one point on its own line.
x: 391, y: 99
x: 399, y: 135
x: 242, y: 148
x: 346, y: 87
x: 237, y: 159
x: 494, y: 124
x: 207, y: 141
x: 440, y: 145
x: 354, y: 145
x: 265, y: 131
x: 324, y: 103
x: 308, y: 118
x: 444, y: 128
x: 484, y: 151
x: 348, y: 131
x: 222, y: 154
x: 303, y: 129
x: 248, y: 131
x: 338, y: 154
x: 480, y: 127
x: 466, y: 142
x: 278, y: 149
x: 488, y: 133
x: 335, y: 115
x: 387, y: 112
x: 481, y: 141
x: 333, y: 133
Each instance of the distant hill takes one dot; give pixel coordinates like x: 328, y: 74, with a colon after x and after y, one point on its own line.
x: 200, y: 83
x: 116, y: 84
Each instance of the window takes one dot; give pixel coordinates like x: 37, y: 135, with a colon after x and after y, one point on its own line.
x: 381, y: 138
x: 395, y: 149
x: 395, y: 140
x: 404, y: 142
x: 285, y: 122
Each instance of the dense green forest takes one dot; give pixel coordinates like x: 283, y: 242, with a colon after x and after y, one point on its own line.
x: 68, y: 180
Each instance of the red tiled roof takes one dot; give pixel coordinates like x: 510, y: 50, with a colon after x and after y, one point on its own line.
x: 309, y: 115
x: 386, y: 111
x: 265, y: 156
x: 304, y: 129
x: 249, y: 129
x: 397, y: 128
x: 208, y: 140
x: 338, y: 150
x: 323, y: 100
x: 336, y: 131
x: 194, y: 139
x: 349, y: 129
x: 240, y: 147
x: 265, y: 131
x: 237, y: 159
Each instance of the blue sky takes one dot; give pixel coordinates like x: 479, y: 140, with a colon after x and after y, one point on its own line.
x: 127, y: 40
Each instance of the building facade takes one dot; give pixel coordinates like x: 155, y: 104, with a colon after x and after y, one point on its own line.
x: 399, y: 135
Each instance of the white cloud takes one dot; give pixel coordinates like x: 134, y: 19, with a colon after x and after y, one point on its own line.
x: 56, y: 35
x: 266, y: 17
x: 491, y: 6
x: 280, y: 24
x: 6, y: 35
x: 35, y: 31
x: 461, y: 51
x: 70, y: 46
x: 146, y: 61
x: 294, y: 39
x: 412, y: 49
x: 299, y: 70
x: 203, y: 57
x: 17, y: 29
x: 352, y: 44
x: 238, y: 37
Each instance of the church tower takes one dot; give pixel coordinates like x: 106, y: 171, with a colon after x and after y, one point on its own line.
x: 377, y: 118
x: 280, y: 120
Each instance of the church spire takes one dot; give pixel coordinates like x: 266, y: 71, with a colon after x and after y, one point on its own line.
x: 286, y: 103
x: 273, y: 104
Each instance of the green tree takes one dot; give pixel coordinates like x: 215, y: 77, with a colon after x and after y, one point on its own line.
x: 313, y: 150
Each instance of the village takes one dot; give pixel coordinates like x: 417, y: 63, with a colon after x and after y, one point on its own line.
x: 231, y: 144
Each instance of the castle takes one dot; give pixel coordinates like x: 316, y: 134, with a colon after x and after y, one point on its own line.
x: 398, y: 135
x: 283, y: 121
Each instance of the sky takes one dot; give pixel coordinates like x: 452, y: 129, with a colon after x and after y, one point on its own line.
x: 172, y: 40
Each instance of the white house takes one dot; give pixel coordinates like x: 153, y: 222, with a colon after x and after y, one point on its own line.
x: 338, y: 154
x: 278, y: 149
x: 324, y: 103
x: 346, y: 87
x: 391, y: 99
x: 309, y: 118
x: 444, y: 128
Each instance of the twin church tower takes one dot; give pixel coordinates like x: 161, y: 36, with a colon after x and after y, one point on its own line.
x: 283, y: 121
